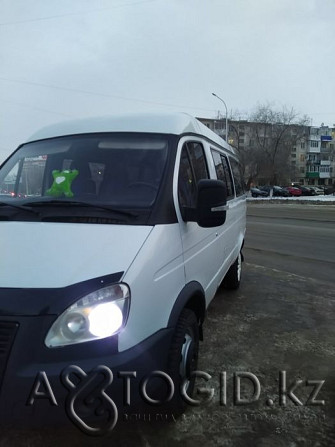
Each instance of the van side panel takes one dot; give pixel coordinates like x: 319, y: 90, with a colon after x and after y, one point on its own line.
x: 156, y: 277
x: 209, y: 252
x: 200, y: 247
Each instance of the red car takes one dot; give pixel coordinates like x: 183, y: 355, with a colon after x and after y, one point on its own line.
x: 293, y: 191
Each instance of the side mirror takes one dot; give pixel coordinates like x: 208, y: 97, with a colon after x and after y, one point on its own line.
x: 211, y: 203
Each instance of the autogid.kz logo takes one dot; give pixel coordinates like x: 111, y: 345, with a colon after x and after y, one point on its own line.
x: 93, y: 411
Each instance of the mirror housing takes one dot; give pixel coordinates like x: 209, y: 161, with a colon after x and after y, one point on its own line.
x: 211, y: 203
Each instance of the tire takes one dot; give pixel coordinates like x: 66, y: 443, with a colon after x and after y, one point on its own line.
x: 183, y: 356
x: 232, y: 279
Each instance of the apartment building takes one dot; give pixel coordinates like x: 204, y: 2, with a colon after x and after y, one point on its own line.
x: 316, y: 157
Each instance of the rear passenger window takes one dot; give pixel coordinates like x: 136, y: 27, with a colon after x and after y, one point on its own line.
x: 238, y: 178
x: 223, y: 172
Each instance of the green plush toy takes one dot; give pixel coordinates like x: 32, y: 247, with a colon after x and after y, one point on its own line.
x: 62, y: 183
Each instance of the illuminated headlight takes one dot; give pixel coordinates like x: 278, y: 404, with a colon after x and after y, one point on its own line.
x: 98, y: 315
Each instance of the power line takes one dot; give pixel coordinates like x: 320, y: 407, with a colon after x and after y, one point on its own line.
x: 33, y: 107
x: 103, y: 95
x: 59, y: 16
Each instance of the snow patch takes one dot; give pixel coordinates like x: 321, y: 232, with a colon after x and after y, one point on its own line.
x: 329, y: 199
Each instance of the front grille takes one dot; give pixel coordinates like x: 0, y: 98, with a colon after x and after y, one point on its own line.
x: 7, y: 334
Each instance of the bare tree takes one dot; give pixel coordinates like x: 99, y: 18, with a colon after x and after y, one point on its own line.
x: 272, y: 135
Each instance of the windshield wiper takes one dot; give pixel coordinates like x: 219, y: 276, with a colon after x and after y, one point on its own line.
x: 19, y: 207
x: 75, y: 203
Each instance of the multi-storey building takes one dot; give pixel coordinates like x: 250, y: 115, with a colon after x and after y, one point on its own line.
x: 316, y: 162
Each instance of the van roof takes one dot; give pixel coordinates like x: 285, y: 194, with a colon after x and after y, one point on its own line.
x: 168, y: 123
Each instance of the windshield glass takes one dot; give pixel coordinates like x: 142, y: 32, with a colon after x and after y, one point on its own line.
x: 119, y: 170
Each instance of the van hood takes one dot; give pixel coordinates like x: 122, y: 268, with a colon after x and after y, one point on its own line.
x: 53, y: 255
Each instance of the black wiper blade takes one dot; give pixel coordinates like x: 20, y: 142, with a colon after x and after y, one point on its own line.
x: 19, y: 207
x: 75, y: 203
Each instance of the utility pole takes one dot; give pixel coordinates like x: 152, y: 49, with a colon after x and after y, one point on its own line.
x: 218, y: 97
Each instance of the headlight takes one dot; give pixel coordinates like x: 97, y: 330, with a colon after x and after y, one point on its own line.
x: 98, y: 315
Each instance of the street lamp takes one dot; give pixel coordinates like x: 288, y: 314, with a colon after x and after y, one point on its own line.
x: 218, y: 97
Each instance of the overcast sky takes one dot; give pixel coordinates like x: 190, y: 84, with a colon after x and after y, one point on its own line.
x: 76, y: 58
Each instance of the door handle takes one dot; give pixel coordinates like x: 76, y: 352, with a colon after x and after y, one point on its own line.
x: 220, y: 208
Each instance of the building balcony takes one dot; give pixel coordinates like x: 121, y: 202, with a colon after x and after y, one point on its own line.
x: 313, y: 150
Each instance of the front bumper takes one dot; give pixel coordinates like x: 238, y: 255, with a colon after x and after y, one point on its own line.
x: 32, y: 376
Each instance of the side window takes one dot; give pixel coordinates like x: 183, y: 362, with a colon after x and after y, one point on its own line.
x: 198, y: 160
x: 223, y: 172
x: 7, y: 187
x: 186, y: 182
x: 192, y: 168
x: 238, y: 179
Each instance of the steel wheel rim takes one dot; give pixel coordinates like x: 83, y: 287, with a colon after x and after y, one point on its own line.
x: 239, y: 267
x: 187, y: 360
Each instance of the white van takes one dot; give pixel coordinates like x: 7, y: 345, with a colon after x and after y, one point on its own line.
x: 115, y: 236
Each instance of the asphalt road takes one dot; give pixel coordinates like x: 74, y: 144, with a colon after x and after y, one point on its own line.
x: 279, y: 327
x: 293, y: 238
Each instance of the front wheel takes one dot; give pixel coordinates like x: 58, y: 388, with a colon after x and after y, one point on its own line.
x: 183, y: 355
x: 233, y: 277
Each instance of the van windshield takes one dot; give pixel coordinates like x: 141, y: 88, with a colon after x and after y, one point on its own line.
x: 117, y: 172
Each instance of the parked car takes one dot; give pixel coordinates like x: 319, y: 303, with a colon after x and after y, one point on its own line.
x: 329, y: 189
x: 293, y: 191
x: 306, y: 191
x: 278, y: 191
x: 256, y: 192
x: 318, y: 191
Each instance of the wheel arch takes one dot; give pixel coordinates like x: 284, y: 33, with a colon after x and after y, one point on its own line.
x: 192, y: 296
